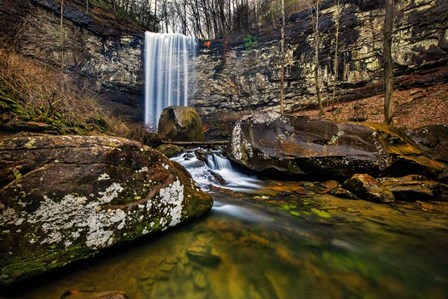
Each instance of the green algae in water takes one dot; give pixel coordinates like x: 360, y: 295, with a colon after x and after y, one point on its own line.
x: 320, y: 213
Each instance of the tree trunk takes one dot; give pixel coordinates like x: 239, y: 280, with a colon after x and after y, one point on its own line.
x: 282, y: 70
x: 61, y: 37
x: 387, y: 56
x: 316, y: 61
x: 336, y: 51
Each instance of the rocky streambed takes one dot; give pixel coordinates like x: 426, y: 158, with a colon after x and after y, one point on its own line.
x: 338, y: 210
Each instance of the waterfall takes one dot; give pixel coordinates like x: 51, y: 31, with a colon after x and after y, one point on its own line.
x: 168, y: 72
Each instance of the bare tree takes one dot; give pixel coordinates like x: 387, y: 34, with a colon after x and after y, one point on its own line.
x: 387, y: 56
x: 61, y: 37
x: 282, y: 69
x: 315, y: 20
x: 337, y: 15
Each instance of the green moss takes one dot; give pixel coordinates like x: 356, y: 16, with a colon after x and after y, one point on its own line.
x: 320, y: 213
x: 17, y: 173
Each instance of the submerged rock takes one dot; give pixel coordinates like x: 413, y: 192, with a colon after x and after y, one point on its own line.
x: 181, y: 124
x: 65, y: 198
x: 87, y: 294
x: 273, y: 143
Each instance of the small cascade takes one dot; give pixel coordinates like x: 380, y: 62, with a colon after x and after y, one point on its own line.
x: 168, y: 72
x: 212, y: 168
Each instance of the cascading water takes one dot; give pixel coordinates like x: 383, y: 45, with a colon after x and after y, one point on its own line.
x: 168, y: 72
x: 214, y: 169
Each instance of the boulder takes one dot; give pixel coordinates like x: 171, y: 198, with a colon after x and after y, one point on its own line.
x: 170, y: 150
x: 433, y: 140
x: 411, y: 187
x: 367, y: 187
x: 65, y: 198
x: 178, y: 123
x: 272, y: 143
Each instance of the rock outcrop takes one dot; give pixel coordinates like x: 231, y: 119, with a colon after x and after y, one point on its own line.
x: 238, y: 76
x: 100, y: 52
x: 433, y: 140
x: 292, y: 145
x: 65, y: 198
x: 180, y: 124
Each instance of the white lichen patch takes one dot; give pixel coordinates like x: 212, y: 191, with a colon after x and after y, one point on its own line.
x: 241, y: 148
x: 104, y: 177
x: 266, y: 118
x: 144, y: 169
x: 7, y: 216
x: 172, y: 198
x: 58, y: 220
x: 111, y: 192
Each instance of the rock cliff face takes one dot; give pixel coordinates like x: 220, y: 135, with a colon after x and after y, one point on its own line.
x: 100, y: 52
x: 245, y: 75
x: 107, y: 54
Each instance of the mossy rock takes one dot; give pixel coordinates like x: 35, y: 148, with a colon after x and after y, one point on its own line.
x: 181, y: 124
x: 66, y: 198
x: 170, y: 150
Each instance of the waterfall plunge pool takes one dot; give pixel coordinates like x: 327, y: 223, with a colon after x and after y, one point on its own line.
x: 261, y: 245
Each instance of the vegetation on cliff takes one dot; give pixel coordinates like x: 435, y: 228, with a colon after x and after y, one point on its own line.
x: 37, y: 98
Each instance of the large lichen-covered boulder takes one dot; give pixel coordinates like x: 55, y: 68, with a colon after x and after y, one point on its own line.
x: 179, y: 123
x: 65, y: 198
x: 271, y: 142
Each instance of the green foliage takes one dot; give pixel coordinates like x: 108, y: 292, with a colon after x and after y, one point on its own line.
x: 249, y: 41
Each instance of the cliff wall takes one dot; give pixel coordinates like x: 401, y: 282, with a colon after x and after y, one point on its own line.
x: 99, y: 51
x: 246, y: 75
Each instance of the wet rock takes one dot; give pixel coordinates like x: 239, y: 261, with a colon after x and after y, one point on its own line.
x: 66, y: 198
x: 342, y: 193
x: 411, y: 187
x: 329, y: 185
x: 284, y: 193
x: 367, y: 187
x: 433, y: 140
x: 200, y: 279
x: 272, y: 143
x: 170, y: 150
x: 180, y: 124
x: 84, y: 294
x: 217, y: 178
x: 201, y: 252
x: 203, y: 255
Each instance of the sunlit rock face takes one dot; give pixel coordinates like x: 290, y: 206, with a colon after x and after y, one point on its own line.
x: 241, y: 75
x: 65, y: 198
x: 272, y: 143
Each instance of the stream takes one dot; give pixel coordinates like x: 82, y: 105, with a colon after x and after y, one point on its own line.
x: 257, y: 244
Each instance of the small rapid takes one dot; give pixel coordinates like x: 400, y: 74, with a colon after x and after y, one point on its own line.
x: 211, y: 168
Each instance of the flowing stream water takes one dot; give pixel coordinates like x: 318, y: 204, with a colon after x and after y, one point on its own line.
x: 256, y: 244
